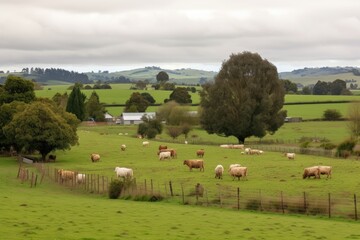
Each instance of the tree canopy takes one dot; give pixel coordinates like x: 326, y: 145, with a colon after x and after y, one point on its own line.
x: 136, y: 103
x: 180, y: 95
x: 17, y: 89
x: 162, y: 77
x: 43, y: 127
x: 94, y: 108
x: 245, y: 100
x: 76, y: 103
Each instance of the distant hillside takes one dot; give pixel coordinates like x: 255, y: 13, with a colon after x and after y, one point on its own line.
x: 179, y: 76
x: 188, y: 76
x: 308, y: 76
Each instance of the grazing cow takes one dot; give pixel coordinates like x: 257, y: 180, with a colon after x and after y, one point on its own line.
x: 95, y: 157
x: 234, y: 165
x: 255, y: 151
x: 123, y: 147
x: 126, y: 173
x: 238, y: 172
x: 325, y: 170
x: 225, y: 146
x: 195, y: 163
x: 66, y: 175
x: 145, y: 144
x: 172, y: 152
x: 219, y: 170
x: 311, y: 172
x: 80, y: 178
x: 162, y: 147
x: 290, y: 155
x: 164, y: 155
x: 200, y: 153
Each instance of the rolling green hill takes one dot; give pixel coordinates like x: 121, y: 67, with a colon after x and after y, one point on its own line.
x: 308, y: 76
x: 178, y: 76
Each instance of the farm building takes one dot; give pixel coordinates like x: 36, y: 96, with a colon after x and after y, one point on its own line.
x: 108, y: 117
x: 134, y: 118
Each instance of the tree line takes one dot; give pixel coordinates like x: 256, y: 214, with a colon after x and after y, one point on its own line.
x: 42, y: 75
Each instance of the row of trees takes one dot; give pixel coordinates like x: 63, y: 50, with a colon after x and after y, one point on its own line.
x: 46, y: 74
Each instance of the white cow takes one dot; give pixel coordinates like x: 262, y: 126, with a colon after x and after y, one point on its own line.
x: 290, y: 155
x: 164, y: 155
x: 126, y: 173
x: 80, y: 178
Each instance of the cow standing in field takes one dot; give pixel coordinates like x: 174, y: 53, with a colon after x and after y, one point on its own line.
x: 195, y: 163
x: 200, y: 153
x: 95, y: 157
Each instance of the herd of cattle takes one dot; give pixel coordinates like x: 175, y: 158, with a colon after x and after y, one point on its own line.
x: 235, y: 170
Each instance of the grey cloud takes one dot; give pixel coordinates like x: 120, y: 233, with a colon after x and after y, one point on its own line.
x: 115, y: 32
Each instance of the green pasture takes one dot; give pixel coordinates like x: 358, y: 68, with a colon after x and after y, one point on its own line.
x: 292, y: 98
x: 315, y: 111
x: 50, y: 211
x: 270, y: 172
x: 119, y: 93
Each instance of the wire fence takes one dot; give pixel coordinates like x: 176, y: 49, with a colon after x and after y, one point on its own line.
x: 187, y: 193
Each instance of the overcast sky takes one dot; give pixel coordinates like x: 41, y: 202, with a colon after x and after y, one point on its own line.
x: 85, y: 35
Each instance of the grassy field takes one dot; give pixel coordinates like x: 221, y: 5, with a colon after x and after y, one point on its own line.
x: 120, y: 93
x: 51, y: 211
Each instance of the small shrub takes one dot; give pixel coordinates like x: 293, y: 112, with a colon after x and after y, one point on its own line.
x: 115, y: 188
x: 331, y: 115
x: 344, y: 149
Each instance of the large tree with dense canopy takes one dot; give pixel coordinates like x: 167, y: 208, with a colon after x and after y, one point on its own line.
x: 245, y: 100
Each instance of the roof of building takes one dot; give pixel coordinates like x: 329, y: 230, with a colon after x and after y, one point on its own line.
x: 136, y: 116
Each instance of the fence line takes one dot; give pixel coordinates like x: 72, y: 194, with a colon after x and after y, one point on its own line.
x: 330, y: 205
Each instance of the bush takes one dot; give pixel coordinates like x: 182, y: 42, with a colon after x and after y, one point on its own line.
x: 344, y: 149
x: 115, y: 188
x: 331, y: 115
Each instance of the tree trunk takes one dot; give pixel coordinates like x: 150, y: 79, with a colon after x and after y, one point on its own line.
x: 241, y: 139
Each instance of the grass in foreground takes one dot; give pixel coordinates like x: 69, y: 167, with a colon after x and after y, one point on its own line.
x: 53, y: 212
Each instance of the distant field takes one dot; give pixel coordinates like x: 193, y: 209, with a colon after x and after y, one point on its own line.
x: 120, y: 93
x: 291, y: 98
x: 307, y: 80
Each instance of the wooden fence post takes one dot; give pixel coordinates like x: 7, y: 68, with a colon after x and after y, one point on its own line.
x: 261, y: 208
x: 355, y: 207
x: 145, y: 185
x: 305, y: 204
x: 32, y: 179
x: 171, y: 189
x: 282, y: 202
x: 329, y: 200
x: 152, y: 187
x: 35, y: 180
x: 98, y: 184
x: 182, y: 192
x: 19, y: 171
x: 238, y: 198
